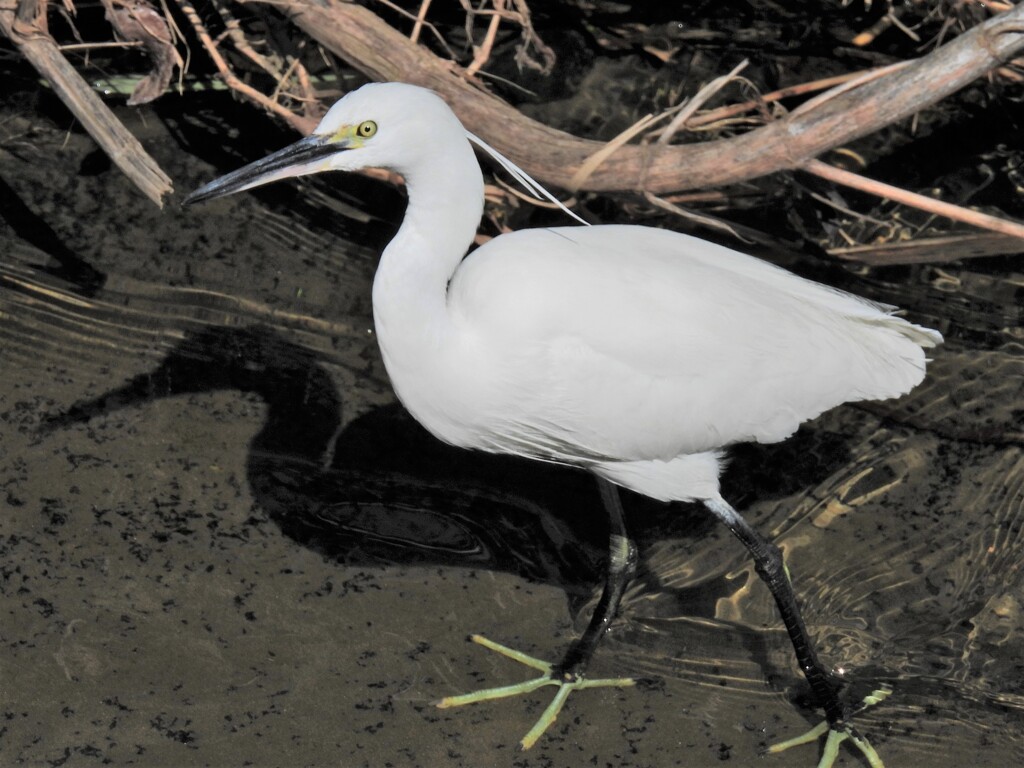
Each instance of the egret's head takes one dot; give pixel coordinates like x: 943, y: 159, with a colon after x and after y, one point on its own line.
x: 381, y: 125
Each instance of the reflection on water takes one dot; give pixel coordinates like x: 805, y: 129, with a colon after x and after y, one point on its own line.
x: 901, y: 522
x: 909, y: 564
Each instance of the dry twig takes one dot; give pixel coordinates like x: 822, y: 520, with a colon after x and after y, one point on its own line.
x: 301, y: 124
x: 482, y: 52
x: 699, y: 100
x: 421, y: 17
x: 420, y: 22
x: 519, y: 14
x: 914, y: 200
x: 36, y: 45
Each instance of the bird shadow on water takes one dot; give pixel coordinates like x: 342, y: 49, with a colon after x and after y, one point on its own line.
x: 379, y: 491
x: 382, y: 491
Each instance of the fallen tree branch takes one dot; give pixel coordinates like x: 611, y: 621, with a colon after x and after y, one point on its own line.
x: 382, y: 53
x: 36, y: 45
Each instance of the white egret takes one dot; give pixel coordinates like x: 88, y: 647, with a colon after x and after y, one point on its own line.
x: 635, y: 353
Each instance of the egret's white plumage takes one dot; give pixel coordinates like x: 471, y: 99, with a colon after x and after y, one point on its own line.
x: 637, y: 353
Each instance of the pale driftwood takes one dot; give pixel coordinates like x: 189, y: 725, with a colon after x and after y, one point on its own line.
x: 119, y: 144
x: 552, y: 156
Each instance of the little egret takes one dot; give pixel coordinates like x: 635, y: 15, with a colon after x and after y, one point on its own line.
x: 636, y: 353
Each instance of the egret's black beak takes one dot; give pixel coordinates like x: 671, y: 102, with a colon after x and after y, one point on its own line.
x: 298, y: 159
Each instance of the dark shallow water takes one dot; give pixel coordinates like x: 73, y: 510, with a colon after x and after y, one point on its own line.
x: 223, y: 544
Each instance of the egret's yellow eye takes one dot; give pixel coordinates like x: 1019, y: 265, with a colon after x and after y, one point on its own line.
x: 366, y: 129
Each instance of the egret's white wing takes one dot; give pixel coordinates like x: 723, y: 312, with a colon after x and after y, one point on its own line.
x: 629, y: 343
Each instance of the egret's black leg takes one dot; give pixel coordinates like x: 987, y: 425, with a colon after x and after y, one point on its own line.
x: 825, y: 687
x: 620, y: 569
x: 568, y: 674
x: 770, y: 567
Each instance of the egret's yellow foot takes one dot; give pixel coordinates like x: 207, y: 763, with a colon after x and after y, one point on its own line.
x: 837, y: 736
x: 565, y: 687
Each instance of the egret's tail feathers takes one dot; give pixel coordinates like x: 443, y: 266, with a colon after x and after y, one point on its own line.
x: 926, y: 338
x: 892, y: 357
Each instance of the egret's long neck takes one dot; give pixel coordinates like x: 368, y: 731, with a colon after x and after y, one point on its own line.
x: 410, y: 289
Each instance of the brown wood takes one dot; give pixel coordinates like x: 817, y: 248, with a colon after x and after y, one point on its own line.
x: 116, y: 140
x: 382, y: 53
